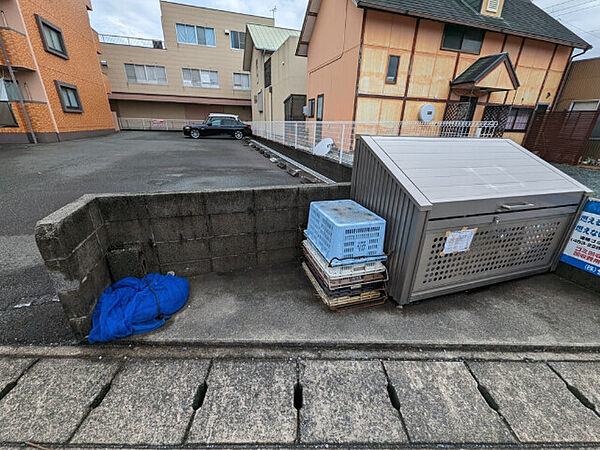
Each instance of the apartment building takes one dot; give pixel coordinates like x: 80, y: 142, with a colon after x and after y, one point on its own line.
x: 196, y: 70
x: 277, y: 75
x: 385, y: 60
x: 51, y: 85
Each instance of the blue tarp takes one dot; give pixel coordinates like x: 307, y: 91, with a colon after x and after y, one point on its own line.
x: 133, y: 306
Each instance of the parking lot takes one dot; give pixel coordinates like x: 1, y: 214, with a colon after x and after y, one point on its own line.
x: 37, y: 180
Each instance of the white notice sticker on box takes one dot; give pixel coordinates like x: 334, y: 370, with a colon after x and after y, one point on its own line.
x: 458, y: 241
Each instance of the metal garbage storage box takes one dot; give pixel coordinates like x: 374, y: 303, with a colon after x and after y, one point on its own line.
x: 435, y: 193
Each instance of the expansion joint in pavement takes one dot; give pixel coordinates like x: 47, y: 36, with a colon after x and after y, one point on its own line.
x: 395, y: 400
x: 198, y: 401
x: 491, y: 401
x: 585, y: 401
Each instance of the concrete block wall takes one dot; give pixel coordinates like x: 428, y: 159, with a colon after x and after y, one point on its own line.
x: 97, y: 240
x: 73, y: 244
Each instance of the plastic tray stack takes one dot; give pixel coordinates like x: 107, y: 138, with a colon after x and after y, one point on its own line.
x: 343, y: 255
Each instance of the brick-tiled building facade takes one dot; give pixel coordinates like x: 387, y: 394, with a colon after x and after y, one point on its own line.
x: 51, y: 84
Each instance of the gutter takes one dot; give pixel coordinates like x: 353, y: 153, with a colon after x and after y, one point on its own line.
x: 563, y: 81
x: 14, y: 80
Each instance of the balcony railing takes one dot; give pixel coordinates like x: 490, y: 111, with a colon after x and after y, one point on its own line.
x: 131, y: 41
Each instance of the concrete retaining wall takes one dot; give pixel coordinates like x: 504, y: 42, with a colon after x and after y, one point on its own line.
x: 99, y: 239
x: 331, y: 169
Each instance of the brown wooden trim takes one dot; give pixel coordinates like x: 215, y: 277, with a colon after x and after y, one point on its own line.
x: 453, y: 75
x: 504, y: 43
x: 516, y: 65
x: 410, y: 66
x: 358, y: 66
x: 563, y: 80
x: 487, y: 27
x: 546, y: 75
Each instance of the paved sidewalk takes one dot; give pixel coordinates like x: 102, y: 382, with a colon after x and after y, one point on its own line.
x: 178, y: 397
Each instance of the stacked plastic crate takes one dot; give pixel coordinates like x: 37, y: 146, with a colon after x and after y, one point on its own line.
x: 344, y: 254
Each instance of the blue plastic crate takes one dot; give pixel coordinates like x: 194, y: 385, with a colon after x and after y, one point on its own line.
x: 345, y: 232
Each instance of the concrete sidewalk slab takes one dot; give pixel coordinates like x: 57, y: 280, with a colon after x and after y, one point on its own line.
x: 149, y: 403
x: 10, y: 370
x: 51, y: 399
x: 584, y: 376
x: 536, y: 403
x: 277, y: 305
x: 247, y: 402
x: 439, y: 402
x: 347, y: 402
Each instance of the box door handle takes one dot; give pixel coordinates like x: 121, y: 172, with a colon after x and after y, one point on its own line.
x: 518, y: 206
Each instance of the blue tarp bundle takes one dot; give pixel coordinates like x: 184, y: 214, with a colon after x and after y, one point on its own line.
x: 133, y: 306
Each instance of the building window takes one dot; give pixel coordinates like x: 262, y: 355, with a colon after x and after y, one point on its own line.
x: 192, y: 34
x: 238, y: 39
x: 320, y: 99
x: 7, y: 117
x: 585, y: 105
x: 462, y: 39
x: 518, y: 119
x: 142, y: 74
x: 52, y: 38
x: 311, y: 108
x: 69, y: 97
x: 241, y: 81
x: 268, y: 72
x: 392, y: 70
x: 200, y: 78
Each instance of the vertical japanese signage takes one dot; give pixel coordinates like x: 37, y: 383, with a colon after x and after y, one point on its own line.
x: 583, y: 249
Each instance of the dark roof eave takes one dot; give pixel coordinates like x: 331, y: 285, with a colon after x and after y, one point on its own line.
x: 367, y: 4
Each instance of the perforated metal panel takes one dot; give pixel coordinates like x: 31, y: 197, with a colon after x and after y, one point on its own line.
x: 496, y: 250
x: 522, y: 207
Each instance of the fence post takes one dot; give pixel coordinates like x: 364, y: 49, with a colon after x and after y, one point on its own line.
x: 342, y: 143
x: 314, y: 136
x: 296, y: 135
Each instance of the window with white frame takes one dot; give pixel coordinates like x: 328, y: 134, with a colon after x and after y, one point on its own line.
x: 241, y: 81
x: 193, y: 34
x: 585, y: 105
x: 238, y: 39
x: 200, y: 78
x: 143, y: 74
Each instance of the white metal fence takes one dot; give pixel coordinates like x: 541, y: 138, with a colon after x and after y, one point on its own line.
x: 126, y: 123
x: 305, y: 135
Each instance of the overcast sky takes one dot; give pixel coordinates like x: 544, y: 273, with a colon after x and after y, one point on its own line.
x: 141, y: 18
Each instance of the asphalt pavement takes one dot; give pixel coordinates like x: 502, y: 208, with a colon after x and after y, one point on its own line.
x: 36, y: 180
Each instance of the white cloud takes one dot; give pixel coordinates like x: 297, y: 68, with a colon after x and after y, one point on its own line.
x: 141, y: 18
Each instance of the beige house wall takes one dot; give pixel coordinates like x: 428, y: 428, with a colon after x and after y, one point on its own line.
x: 347, y: 62
x: 288, y: 76
x: 583, y: 83
x: 176, y: 56
x: 333, y: 57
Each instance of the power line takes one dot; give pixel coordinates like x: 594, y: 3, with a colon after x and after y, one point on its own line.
x: 575, y: 7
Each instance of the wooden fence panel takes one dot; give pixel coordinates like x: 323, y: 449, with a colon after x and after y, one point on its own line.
x: 560, y: 136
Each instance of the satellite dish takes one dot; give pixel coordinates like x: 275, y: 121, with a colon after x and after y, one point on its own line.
x: 323, y: 147
x: 426, y: 113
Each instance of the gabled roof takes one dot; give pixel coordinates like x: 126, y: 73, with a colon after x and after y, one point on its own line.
x: 265, y: 37
x: 519, y: 17
x: 484, y: 66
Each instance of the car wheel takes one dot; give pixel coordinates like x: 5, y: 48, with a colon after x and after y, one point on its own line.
x: 238, y: 135
x: 195, y: 133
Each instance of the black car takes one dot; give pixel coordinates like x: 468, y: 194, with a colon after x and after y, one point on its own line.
x: 218, y: 126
